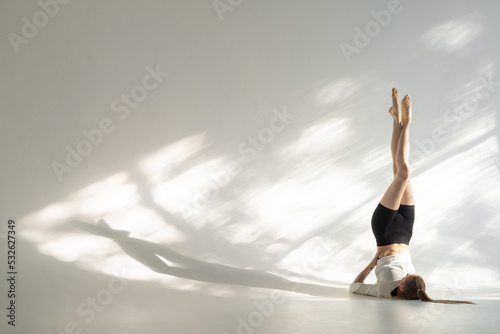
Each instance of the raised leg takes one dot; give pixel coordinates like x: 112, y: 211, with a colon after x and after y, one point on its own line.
x: 395, y: 112
x: 400, y: 192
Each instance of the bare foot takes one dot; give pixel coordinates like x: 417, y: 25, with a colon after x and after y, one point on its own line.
x: 395, y: 110
x: 406, y: 110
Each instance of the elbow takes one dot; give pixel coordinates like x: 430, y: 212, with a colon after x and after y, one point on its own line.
x: 353, y: 287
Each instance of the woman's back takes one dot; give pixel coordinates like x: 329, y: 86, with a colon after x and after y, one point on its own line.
x: 389, y: 272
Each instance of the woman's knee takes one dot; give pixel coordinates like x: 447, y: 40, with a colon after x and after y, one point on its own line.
x: 403, y: 172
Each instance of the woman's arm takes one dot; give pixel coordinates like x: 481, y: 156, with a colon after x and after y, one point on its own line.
x: 364, y: 274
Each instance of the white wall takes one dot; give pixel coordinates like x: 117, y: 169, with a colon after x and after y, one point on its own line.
x: 300, y: 203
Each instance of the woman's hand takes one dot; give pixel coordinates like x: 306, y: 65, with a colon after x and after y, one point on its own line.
x: 362, y: 275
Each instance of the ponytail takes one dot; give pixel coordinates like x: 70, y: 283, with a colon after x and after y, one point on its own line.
x: 422, y: 295
x: 415, y: 289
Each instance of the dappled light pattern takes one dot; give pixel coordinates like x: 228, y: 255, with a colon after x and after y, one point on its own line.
x: 310, y: 219
x: 453, y: 35
x: 337, y: 91
x: 264, y: 151
x: 213, y: 166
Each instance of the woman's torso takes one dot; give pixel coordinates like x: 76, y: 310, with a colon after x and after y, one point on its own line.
x: 392, y: 249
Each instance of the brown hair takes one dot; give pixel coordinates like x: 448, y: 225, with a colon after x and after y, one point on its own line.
x: 414, y: 288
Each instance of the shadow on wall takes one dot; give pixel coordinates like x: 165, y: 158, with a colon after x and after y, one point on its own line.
x: 152, y: 254
x: 277, y: 210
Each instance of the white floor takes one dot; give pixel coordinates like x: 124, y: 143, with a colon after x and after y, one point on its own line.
x: 308, y: 315
x: 144, y: 310
x: 64, y: 296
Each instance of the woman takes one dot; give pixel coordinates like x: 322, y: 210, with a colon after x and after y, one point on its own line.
x: 392, y: 223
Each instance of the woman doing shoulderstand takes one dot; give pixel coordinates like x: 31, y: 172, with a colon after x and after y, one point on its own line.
x: 392, y: 223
